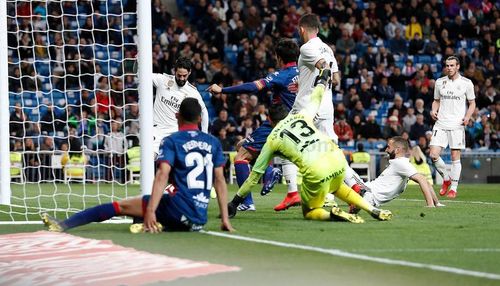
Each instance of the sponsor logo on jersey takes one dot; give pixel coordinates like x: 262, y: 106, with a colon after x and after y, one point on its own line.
x: 173, y: 102
x: 201, y: 201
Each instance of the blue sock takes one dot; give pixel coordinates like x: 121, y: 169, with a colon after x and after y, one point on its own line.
x: 267, y: 174
x: 95, y: 214
x: 242, y: 170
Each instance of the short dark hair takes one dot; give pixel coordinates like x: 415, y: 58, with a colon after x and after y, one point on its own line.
x: 309, y: 21
x: 277, y: 113
x: 453, y: 57
x: 361, y: 146
x: 190, y: 109
x: 401, y: 142
x: 183, y: 63
x: 287, y: 50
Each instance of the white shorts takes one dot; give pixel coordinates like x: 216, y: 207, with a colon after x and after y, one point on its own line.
x: 326, y: 126
x: 158, y: 135
x: 454, y: 138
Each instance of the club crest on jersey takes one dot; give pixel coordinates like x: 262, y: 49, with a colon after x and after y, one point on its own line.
x: 170, y: 83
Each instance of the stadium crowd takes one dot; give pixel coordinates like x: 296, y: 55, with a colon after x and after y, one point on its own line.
x: 389, y: 52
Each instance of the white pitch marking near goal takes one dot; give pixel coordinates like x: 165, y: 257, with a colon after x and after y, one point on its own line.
x: 429, y: 250
x: 341, y: 253
x: 455, y: 201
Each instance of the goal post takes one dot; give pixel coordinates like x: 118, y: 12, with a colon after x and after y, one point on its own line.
x: 145, y: 72
x: 67, y: 67
x: 4, y: 111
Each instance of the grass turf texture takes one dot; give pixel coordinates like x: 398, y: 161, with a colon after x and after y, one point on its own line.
x: 464, y: 234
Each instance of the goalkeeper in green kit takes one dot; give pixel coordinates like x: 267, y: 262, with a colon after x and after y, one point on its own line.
x: 320, y: 161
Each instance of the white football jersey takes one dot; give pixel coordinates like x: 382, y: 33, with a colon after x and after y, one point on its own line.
x: 168, y: 101
x: 310, y: 53
x: 453, y: 96
x: 392, y: 181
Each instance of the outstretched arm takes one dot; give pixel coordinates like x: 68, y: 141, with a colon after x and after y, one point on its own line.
x: 427, y: 191
x: 247, y: 87
x: 221, y: 190
x: 159, y: 184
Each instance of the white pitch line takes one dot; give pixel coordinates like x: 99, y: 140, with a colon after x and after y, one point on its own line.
x: 453, y: 201
x: 430, y: 250
x: 341, y: 253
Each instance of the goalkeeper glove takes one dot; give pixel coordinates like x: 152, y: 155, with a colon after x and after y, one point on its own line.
x: 324, y: 78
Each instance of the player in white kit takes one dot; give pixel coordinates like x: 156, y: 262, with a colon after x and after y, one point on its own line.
x: 315, y: 55
x: 170, y: 92
x: 393, y: 180
x: 451, y: 95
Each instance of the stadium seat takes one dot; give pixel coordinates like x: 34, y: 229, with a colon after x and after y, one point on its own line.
x: 134, y: 164
x: 363, y: 170
x: 16, y: 166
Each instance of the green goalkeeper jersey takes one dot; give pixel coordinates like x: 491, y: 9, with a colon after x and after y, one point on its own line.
x: 296, y: 139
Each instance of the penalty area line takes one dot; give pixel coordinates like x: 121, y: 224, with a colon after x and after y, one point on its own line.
x: 452, y: 201
x: 341, y: 253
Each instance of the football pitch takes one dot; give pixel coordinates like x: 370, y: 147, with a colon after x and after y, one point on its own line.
x: 455, y: 245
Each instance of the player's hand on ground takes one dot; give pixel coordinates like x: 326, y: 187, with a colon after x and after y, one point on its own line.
x: 150, y: 224
x: 434, y: 115
x: 214, y: 88
x: 226, y: 226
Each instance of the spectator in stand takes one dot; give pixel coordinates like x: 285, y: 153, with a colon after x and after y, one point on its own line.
x: 261, y: 115
x: 432, y: 46
x: 392, y: 127
x: 409, y: 119
x: 31, y: 160
x: 340, y: 111
x: 419, y: 128
x: 227, y: 143
x: 246, y: 61
x: 398, y: 105
x: 116, y: 144
x: 343, y: 130
x: 416, y: 46
x: 246, y: 128
x: 413, y: 28
x: 385, y: 92
x: 357, y: 126
x: 366, y: 96
x: 371, y: 131
x: 397, y: 44
x: 398, y: 81
x: 224, y: 122
x: 345, y: 45
x: 384, y: 57
x: 392, y: 26
x: 420, y: 109
x: 357, y: 110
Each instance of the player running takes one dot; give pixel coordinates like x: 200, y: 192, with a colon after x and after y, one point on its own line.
x: 170, y: 92
x: 188, y: 157
x: 394, y: 179
x: 449, y: 110
x: 320, y: 161
x: 287, y: 52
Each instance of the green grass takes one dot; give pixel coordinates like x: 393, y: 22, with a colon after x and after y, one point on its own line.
x: 465, y: 234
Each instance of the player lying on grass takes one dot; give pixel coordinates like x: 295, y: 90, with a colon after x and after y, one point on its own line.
x: 393, y: 180
x: 320, y: 161
x: 190, y: 158
x: 278, y: 82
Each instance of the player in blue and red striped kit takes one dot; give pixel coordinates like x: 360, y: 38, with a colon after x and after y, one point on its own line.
x: 280, y: 83
x: 188, y: 159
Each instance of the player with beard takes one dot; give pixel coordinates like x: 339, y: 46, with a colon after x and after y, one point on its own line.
x: 393, y: 180
x: 170, y: 92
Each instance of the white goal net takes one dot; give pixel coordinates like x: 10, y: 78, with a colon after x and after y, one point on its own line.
x: 73, y: 103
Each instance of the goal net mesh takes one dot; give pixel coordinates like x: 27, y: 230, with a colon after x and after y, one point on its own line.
x: 74, y: 129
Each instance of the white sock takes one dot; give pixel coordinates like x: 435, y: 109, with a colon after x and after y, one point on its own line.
x: 351, y: 177
x: 290, y: 173
x: 441, y: 168
x: 456, y: 169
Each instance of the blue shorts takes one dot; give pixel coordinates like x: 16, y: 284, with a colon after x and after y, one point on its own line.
x: 257, y: 139
x: 169, y: 216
